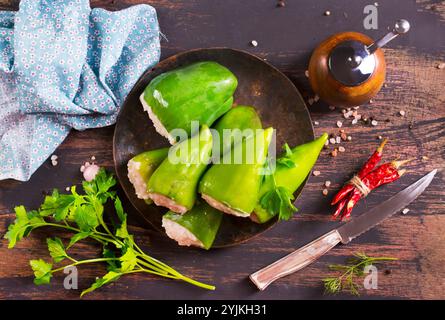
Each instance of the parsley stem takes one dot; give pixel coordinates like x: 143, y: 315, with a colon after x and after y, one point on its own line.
x: 72, y: 259
x: 197, y: 283
x: 178, y: 277
x: 153, y: 267
x: 84, y: 262
x: 152, y: 272
x: 156, y: 262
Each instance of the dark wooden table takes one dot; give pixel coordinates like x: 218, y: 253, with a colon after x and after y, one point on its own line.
x: 286, y: 36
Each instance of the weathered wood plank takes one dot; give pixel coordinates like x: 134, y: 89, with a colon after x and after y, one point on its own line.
x: 286, y: 38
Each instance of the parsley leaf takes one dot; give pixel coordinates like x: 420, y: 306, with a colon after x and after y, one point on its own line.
x: 77, y: 237
x: 42, y: 271
x: 285, y: 160
x: 100, y: 185
x: 86, y: 218
x: 128, y: 260
x: 279, y: 200
x: 121, y: 231
x: 107, y: 278
x: 119, y: 210
x: 112, y: 265
x: 57, y: 204
x: 287, y: 209
x: 56, y: 249
x: 24, y: 223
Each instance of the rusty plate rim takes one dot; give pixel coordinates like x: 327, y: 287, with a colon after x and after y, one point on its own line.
x: 161, y: 64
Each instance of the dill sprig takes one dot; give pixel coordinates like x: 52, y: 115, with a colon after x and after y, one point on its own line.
x: 354, y: 268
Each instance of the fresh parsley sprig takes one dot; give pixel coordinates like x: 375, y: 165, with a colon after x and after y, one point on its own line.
x: 278, y: 200
x: 285, y: 160
x: 354, y: 268
x: 83, y: 215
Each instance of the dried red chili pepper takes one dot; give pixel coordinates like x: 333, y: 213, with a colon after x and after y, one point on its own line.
x: 383, y: 174
x: 367, y: 167
x: 340, y: 207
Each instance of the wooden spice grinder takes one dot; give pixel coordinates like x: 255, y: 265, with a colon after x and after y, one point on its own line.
x: 348, y: 68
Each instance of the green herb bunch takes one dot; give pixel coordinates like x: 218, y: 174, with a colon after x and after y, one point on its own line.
x: 279, y: 199
x: 83, y: 215
x: 354, y: 268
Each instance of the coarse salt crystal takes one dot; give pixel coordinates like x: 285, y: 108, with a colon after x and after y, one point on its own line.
x: 54, y: 163
x: 316, y: 123
x: 402, y: 113
x: 327, y: 184
x: 349, y: 138
x: 67, y: 188
x: 90, y: 172
x: 254, y: 43
x: 332, y: 140
x: 306, y: 73
x: 405, y: 211
x: 337, y: 139
x: 341, y: 149
x: 93, y: 158
x: 325, y: 192
x: 354, y: 121
x: 54, y: 157
x: 339, y: 124
x: 374, y: 122
x: 316, y: 173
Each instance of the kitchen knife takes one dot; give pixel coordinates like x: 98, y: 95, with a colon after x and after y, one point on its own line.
x: 344, y: 234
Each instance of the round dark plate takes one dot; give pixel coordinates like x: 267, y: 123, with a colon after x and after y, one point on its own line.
x: 261, y: 85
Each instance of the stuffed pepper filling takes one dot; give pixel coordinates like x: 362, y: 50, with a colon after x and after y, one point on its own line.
x: 180, y: 234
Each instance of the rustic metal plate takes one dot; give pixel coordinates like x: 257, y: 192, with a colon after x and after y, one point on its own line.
x: 261, y: 85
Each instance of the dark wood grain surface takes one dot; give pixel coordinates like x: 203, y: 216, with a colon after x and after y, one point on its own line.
x: 286, y: 37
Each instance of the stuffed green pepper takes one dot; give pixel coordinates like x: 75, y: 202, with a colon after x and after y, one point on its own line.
x: 303, y: 158
x: 201, y: 92
x: 140, y: 169
x: 174, y: 182
x: 239, y: 122
x: 233, y: 186
x: 197, y: 227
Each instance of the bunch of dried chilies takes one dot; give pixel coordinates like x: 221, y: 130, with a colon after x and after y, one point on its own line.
x: 367, y: 179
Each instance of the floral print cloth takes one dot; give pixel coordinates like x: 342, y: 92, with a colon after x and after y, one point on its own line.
x: 64, y: 65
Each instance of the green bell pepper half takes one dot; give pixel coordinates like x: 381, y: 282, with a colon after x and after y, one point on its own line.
x: 233, y: 186
x: 140, y: 169
x: 239, y: 117
x: 178, y: 175
x: 202, y: 221
x: 202, y: 91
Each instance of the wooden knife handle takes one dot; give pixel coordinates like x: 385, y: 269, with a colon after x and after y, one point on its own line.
x: 296, y: 260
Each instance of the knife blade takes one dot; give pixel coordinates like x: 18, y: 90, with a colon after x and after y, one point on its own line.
x: 344, y: 234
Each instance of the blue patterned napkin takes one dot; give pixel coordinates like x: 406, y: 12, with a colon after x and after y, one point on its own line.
x: 64, y: 65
